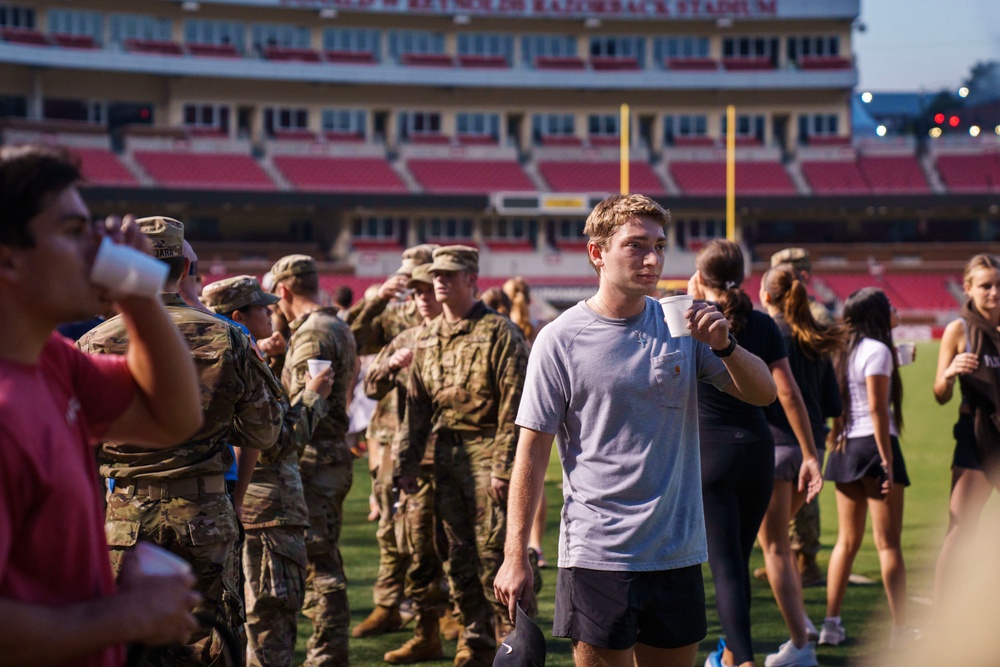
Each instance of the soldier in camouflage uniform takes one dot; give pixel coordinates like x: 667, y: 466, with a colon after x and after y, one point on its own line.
x: 803, y: 529
x: 412, y: 525
x: 375, y: 324
x: 326, y: 463
x: 274, y: 509
x: 464, y: 387
x: 177, y: 497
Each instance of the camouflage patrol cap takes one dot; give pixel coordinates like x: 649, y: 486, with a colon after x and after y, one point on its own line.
x: 166, y: 236
x: 225, y: 296
x: 455, y: 258
x: 417, y: 255
x: 292, y: 265
x: 797, y: 257
x: 421, y: 274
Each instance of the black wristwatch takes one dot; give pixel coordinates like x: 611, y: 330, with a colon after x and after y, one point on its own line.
x: 726, y: 351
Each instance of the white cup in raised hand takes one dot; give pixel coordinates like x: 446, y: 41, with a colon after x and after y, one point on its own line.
x: 674, y: 308
x: 125, y: 270
x: 317, y: 366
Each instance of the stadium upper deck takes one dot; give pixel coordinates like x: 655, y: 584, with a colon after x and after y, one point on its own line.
x: 358, y: 126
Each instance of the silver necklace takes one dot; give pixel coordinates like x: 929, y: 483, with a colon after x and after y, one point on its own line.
x: 601, y: 307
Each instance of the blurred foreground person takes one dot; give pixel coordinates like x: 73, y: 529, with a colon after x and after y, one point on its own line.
x: 58, y: 601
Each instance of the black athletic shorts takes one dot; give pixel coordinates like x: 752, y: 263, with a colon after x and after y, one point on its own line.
x: 966, y: 455
x: 616, y: 610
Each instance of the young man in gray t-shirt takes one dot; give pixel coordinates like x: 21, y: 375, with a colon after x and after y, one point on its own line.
x: 619, y: 390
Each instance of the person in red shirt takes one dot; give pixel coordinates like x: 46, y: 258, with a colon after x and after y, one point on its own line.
x: 58, y: 601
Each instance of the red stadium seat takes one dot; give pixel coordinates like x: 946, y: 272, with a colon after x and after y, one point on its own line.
x: 692, y: 64
x: 440, y: 176
x: 350, y: 57
x: 488, y: 62
x: 339, y: 174
x: 835, y: 177
x: 588, y: 176
x: 895, y: 174
x: 969, y: 173
x: 24, y: 36
x: 73, y: 41
x: 611, y: 64
x: 824, y: 62
x: 159, y: 47
x: 102, y: 167
x: 559, y: 62
x: 922, y: 291
x: 747, y: 64
x: 709, y: 178
x: 212, y: 50
x: 427, y: 60
x: 204, y: 170
x: 291, y: 55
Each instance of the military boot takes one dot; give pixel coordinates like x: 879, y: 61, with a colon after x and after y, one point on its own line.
x: 381, y: 620
x: 425, y: 645
x: 809, y: 570
x: 467, y: 657
x: 451, y: 629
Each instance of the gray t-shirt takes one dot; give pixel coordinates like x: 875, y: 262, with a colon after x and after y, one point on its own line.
x: 626, y: 420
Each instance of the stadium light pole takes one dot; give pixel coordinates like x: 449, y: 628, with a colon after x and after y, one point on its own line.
x: 731, y: 172
x: 624, y: 185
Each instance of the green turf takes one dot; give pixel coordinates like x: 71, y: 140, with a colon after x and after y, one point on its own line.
x: 927, y: 446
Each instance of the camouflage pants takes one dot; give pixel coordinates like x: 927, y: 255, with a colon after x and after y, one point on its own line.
x: 274, y: 560
x: 475, y: 527
x: 325, y: 603
x: 203, y: 531
x: 803, y: 529
x: 388, y: 588
x: 415, y: 534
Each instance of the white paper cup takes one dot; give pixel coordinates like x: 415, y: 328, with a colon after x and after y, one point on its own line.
x: 317, y: 366
x: 674, y: 308
x: 158, y: 562
x: 904, y: 352
x: 125, y: 270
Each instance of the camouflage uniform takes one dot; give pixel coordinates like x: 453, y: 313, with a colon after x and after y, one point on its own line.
x: 406, y: 535
x: 327, y: 469
x: 177, y: 497
x: 274, y: 509
x: 464, y: 387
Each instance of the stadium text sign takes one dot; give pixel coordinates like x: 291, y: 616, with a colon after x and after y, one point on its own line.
x: 623, y: 9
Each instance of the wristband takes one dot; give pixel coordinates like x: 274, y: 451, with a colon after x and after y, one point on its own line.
x: 726, y: 351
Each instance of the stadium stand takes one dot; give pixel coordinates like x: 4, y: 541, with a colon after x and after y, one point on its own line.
x: 339, y: 174
x: 73, y: 41
x: 291, y: 55
x: 560, y: 62
x: 969, y: 173
x: 102, y: 167
x: 212, y: 50
x: 159, y: 47
x: 449, y: 176
x: 709, y: 178
x: 26, y: 36
x: 835, y: 177
x: 585, y: 176
x: 893, y: 174
x: 923, y: 291
x: 197, y: 170
x: 692, y: 64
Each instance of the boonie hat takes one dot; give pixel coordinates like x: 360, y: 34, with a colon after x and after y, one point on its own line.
x: 225, y: 296
x: 455, y: 258
x: 292, y: 265
x: 524, y: 647
x: 797, y: 257
x: 421, y: 274
x: 417, y: 255
x: 166, y: 236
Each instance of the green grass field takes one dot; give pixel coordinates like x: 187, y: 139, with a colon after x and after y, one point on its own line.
x: 927, y: 446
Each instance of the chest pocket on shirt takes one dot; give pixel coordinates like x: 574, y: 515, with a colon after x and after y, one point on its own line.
x: 671, y: 383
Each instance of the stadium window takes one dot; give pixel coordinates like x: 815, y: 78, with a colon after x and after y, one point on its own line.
x: 268, y: 35
x: 421, y: 42
x: 747, y: 125
x: 665, y: 48
x: 375, y: 228
x: 87, y: 111
x: 12, y: 16
x: 344, y: 121
x: 351, y: 40
x: 207, y: 116
x: 603, y: 125
x: 757, y: 47
x: 625, y: 48
x: 281, y: 119
x: 139, y: 27
x: 76, y: 23
x: 486, y: 44
x: 413, y: 123
x: 813, y: 45
x: 13, y: 106
x: 570, y: 230
x: 547, y: 46
x: 216, y: 33
x: 478, y: 124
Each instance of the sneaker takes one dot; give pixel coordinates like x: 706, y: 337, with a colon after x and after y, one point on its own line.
x: 903, y: 635
x: 789, y: 656
x: 714, y: 658
x: 812, y: 634
x: 832, y: 633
